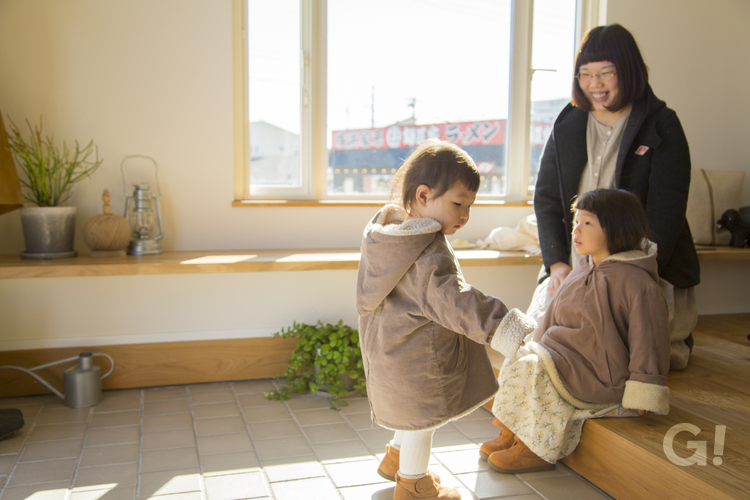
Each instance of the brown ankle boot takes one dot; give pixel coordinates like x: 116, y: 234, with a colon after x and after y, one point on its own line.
x: 502, y: 442
x: 518, y: 459
x: 391, y: 462
x: 424, y: 488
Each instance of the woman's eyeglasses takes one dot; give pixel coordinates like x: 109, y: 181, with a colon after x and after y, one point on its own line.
x: 604, y: 76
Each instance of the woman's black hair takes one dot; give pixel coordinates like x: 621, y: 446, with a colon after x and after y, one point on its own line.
x: 615, y: 44
x: 620, y: 214
x: 436, y: 164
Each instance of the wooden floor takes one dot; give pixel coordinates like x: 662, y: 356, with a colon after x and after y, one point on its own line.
x: 626, y: 457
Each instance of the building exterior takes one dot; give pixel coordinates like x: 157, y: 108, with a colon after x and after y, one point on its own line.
x: 364, y: 161
x: 274, y: 155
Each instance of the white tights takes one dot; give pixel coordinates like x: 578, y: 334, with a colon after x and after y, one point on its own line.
x: 415, y: 449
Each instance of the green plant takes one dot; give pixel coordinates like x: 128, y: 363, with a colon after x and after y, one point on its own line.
x: 50, y: 174
x: 324, y: 358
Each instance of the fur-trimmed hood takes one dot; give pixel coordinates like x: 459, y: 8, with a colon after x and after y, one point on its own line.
x: 643, y: 258
x: 391, y: 244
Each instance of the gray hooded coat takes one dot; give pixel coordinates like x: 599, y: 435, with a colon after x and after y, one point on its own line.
x: 423, y: 329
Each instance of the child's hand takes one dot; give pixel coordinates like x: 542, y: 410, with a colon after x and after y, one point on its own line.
x: 643, y: 412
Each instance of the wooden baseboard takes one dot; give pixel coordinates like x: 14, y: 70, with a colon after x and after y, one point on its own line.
x: 150, y: 365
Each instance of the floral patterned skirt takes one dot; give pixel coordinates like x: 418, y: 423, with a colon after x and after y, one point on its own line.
x: 530, y: 405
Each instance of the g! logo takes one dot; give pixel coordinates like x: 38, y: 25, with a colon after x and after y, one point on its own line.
x: 700, y: 447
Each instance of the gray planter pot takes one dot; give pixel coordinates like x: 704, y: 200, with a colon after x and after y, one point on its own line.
x: 49, y: 232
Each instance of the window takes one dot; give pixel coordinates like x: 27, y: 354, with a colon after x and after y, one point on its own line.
x: 552, y: 61
x: 338, y: 92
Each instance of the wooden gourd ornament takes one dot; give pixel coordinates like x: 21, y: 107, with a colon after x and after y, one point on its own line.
x: 108, y: 234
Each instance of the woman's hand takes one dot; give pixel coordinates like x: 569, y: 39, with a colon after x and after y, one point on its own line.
x: 558, y: 272
x: 643, y: 412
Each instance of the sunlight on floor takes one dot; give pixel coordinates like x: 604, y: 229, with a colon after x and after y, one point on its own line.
x: 47, y: 495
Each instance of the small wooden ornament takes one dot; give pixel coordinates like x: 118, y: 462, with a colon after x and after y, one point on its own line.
x: 108, y: 234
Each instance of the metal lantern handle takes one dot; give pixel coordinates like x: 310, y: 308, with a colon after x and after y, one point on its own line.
x: 158, y: 214
x: 125, y: 182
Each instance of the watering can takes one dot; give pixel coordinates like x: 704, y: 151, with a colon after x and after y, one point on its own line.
x: 83, y: 381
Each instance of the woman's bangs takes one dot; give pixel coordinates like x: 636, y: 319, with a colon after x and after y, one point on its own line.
x: 594, y: 51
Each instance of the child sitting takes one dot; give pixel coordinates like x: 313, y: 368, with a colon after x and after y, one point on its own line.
x: 602, y: 348
x: 422, y: 328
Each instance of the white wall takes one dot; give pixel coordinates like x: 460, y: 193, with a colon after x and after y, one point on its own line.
x: 145, y: 309
x: 154, y: 77
x: 697, y: 53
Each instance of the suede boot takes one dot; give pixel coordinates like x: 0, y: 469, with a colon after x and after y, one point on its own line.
x: 391, y: 462
x: 518, y: 459
x: 502, y: 442
x: 423, y: 488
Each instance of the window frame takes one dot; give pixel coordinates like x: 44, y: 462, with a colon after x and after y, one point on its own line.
x: 313, y: 149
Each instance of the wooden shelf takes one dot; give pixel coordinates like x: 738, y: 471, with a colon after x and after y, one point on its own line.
x: 709, y: 254
x: 195, y: 262
x: 245, y: 261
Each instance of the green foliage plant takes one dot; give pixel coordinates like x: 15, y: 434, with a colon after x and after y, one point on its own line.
x: 49, y: 173
x: 324, y: 358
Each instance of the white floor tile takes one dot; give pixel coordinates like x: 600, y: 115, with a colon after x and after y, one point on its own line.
x: 226, y: 441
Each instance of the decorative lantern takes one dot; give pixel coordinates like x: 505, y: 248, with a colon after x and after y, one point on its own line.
x: 142, y: 211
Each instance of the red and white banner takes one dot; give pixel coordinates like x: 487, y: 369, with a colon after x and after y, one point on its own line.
x: 408, y: 136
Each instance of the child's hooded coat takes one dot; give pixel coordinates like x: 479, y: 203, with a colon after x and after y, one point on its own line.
x: 606, y: 333
x: 423, y: 329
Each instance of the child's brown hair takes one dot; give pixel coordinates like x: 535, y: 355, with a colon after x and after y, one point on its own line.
x: 436, y: 164
x: 620, y: 214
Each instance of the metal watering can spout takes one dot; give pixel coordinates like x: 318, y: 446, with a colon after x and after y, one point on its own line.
x: 83, y: 381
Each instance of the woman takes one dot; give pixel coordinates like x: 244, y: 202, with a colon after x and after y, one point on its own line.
x: 617, y: 134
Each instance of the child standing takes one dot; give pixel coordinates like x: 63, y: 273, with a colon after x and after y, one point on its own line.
x: 602, y: 348
x: 422, y: 328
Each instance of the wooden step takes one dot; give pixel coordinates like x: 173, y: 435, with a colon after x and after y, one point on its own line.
x: 626, y: 457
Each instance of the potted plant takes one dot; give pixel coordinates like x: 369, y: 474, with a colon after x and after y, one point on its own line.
x: 327, y: 358
x: 48, y: 176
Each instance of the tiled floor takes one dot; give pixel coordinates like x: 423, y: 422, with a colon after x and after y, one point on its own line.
x: 226, y: 441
